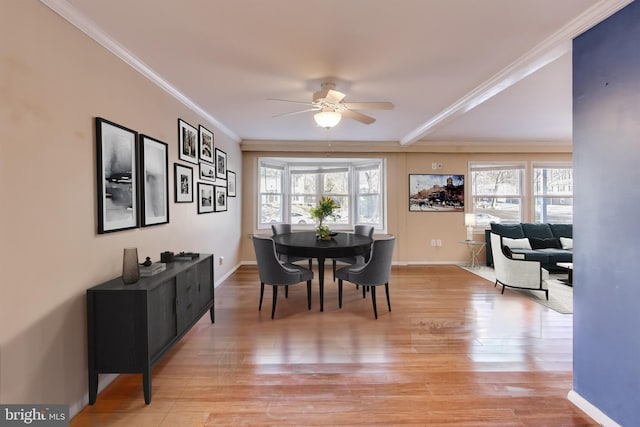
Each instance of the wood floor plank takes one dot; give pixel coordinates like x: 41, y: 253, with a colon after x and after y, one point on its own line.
x: 453, y: 352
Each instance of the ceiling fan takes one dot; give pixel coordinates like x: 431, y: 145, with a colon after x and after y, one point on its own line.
x: 330, y: 106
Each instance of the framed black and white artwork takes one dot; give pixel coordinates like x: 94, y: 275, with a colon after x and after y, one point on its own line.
x: 117, y: 178
x: 183, y: 176
x: 231, y: 184
x: 221, y: 164
x: 220, y: 198
x: 187, y: 142
x: 205, y: 198
x: 207, y: 171
x: 155, y: 181
x: 205, y: 142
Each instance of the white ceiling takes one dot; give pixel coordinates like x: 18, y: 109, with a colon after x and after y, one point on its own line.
x: 471, y: 70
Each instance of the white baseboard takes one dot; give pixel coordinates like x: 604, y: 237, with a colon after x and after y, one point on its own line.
x: 592, y: 411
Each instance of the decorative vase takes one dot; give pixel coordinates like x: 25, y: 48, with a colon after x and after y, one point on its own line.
x: 130, y: 266
x: 323, y: 232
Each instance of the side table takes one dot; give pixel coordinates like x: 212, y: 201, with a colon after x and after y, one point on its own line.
x: 474, y: 247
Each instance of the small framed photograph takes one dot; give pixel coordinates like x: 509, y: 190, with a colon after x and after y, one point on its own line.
x: 231, y: 184
x: 220, y: 198
x: 187, y: 142
x: 183, y: 183
x: 117, y: 178
x: 221, y: 164
x: 207, y: 171
x: 205, y: 142
x: 205, y: 198
x: 155, y: 181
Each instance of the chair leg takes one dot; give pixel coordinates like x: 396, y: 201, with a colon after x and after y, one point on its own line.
x: 386, y: 289
x: 310, y: 263
x: 339, y: 293
x: 273, y: 304
x: 309, y: 294
x: 364, y: 291
x: 286, y: 291
x: 261, y: 295
x: 334, y: 270
x: 546, y: 294
x: 373, y: 299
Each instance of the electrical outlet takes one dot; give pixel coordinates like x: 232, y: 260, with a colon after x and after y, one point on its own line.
x: 434, y: 166
x: 439, y: 242
x: 433, y: 242
x: 221, y: 260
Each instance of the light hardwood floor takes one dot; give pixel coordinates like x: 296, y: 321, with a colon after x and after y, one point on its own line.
x: 453, y: 352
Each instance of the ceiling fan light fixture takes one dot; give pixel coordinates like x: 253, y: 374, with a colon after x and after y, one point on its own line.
x: 327, y: 119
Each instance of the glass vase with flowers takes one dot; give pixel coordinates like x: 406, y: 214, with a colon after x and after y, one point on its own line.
x: 326, y: 208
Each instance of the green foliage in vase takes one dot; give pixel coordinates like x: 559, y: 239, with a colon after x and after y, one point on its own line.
x: 326, y: 208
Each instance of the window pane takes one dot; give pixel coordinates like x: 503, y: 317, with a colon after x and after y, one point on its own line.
x: 304, y: 183
x: 270, y: 208
x: 270, y: 180
x: 369, y: 209
x: 554, y: 210
x: 496, y: 209
x: 497, y: 182
x: 300, y: 209
x: 369, y: 181
x: 552, y: 181
x: 336, y: 183
x: 343, y: 212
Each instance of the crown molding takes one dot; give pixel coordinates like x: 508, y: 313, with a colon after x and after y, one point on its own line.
x: 542, y: 54
x: 91, y: 29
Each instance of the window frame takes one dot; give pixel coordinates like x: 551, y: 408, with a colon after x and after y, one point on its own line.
x: 320, y: 166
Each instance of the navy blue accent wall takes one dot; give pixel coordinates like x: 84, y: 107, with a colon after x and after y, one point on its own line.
x: 606, y: 155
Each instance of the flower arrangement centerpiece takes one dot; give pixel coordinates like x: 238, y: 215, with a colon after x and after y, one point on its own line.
x: 326, y: 208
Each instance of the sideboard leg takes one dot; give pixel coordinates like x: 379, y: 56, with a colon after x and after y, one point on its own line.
x: 93, y: 387
x: 146, y: 384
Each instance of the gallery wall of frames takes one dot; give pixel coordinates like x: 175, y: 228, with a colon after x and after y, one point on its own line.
x: 133, y: 175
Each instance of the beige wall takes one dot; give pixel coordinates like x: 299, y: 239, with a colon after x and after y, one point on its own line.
x: 53, y: 81
x: 413, y: 230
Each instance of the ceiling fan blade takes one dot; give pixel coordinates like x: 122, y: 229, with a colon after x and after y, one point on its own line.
x: 297, y: 112
x: 334, y: 97
x: 288, y: 100
x: 369, y: 105
x: 362, y: 118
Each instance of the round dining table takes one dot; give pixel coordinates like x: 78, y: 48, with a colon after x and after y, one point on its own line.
x: 306, y: 244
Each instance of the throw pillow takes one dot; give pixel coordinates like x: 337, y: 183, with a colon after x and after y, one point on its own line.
x: 507, y: 251
x: 516, y: 243
x: 551, y: 242
x: 566, y: 243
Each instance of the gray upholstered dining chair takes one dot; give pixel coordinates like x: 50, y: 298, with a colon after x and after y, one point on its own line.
x: 276, y: 273
x: 374, y: 272
x: 363, y: 230
x: 284, y: 228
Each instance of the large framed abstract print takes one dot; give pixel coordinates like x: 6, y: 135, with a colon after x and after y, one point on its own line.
x: 187, y: 142
x: 154, y: 179
x: 117, y: 177
x: 436, y: 193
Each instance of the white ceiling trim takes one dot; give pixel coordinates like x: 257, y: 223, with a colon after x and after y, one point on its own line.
x: 87, y: 26
x: 544, y: 53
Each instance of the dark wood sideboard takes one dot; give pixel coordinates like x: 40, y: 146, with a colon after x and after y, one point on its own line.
x: 130, y: 327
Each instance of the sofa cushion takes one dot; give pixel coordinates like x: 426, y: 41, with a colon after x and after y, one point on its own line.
x: 551, y: 242
x: 562, y: 230
x: 541, y: 231
x: 516, y: 243
x: 557, y: 255
x: 513, y: 231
